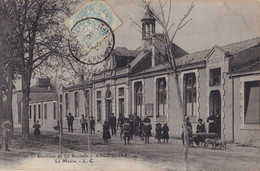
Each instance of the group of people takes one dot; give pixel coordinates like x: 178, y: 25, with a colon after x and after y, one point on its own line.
x: 214, y: 122
x: 162, y: 132
x: 83, y: 122
x: 133, y: 125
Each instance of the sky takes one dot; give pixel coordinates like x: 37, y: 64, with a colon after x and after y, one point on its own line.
x: 214, y: 22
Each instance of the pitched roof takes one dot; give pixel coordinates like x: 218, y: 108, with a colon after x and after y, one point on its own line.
x: 123, y: 51
x: 231, y: 48
x: 42, y: 97
x: 249, y: 67
x: 159, y: 43
x: 139, y: 57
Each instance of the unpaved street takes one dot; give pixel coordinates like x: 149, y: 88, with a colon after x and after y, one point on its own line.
x: 116, y: 155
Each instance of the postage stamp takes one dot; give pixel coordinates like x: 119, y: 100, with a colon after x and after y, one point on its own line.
x: 90, y: 32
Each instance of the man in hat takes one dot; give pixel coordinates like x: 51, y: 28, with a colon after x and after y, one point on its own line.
x: 70, y: 120
x: 92, y: 125
x: 112, y: 122
x: 218, y: 123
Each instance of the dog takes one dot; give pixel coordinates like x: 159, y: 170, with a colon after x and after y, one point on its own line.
x: 212, y: 142
x: 199, y: 138
x: 221, y: 144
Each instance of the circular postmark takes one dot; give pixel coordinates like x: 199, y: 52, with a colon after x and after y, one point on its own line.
x: 94, y: 41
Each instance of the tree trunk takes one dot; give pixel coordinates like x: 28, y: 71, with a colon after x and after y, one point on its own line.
x: 10, y: 97
x: 26, y: 81
x: 1, y: 96
x: 185, y: 130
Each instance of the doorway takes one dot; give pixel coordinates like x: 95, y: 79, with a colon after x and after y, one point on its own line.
x: 215, y: 110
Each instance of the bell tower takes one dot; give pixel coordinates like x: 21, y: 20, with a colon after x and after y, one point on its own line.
x: 148, y: 29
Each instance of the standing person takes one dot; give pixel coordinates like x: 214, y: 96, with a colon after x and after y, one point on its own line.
x: 83, y: 123
x: 218, y: 123
x: 131, y: 122
x: 70, y: 120
x: 92, y: 125
x: 112, y: 122
x: 6, y: 134
x: 211, y: 121
x: 189, y: 128
x: 141, y: 132
x: 126, y: 131
x: 158, y: 131
x: 165, y: 134
x: 106, y: 133
x: 36, y: 131
x: 135, y: 123
x: 120, y: 122
x: 200, y: 126
x: 147, y: 127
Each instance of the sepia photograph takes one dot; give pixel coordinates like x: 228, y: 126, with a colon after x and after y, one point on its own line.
x: 154, y: 85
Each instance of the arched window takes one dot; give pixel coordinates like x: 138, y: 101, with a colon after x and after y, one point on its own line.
x: 190, y: 94
x: 138, y: 98
x: 161, y: 97
x: 108, y: 104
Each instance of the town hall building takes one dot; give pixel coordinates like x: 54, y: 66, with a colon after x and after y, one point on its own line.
x: 223, y: 78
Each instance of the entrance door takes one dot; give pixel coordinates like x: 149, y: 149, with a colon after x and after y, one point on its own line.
x: 108, y: 104
x: 108, y: 109
x: 215, y: 108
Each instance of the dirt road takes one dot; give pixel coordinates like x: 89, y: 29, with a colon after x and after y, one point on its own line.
x: 117, y: 156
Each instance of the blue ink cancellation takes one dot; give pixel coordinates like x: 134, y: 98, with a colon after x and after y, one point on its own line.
x: 90, y: 32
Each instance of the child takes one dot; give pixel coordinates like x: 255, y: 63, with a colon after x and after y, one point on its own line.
x: 56, y: 133
x: 158, y: 131
x: 147, y: 127
x: 106, y: 133
x: 165, y: 134
x: 126, y: 130
x: 36, y: 131
x: 200, y: 126
x: 6, y: 134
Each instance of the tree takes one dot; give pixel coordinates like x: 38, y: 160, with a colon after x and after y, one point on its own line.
x: 7, y: 56
x: 38, y: 37
x: 164, y: 18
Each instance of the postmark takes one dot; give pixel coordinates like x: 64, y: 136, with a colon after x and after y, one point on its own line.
x: 93, y: 27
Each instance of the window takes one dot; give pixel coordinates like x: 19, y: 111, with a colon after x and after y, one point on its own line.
x: 161, y: 97
x: 98, y: 110
x: 30, y: 111
x: 39, y: 111
x: 34, y: 113
x: 20, y: 113
x: 54, y: 111
x: 87, y: 102
x: 138, y: 98
x: 45, y: 111
x: 108, y: 104
x: 99, y: 106
x: 252, y: 102
x: 215, y: 77
x: 76, y: 103
x: 190, y: 94
x: 121, y: 100
x: 60, y: 98
x: 67, y: 104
